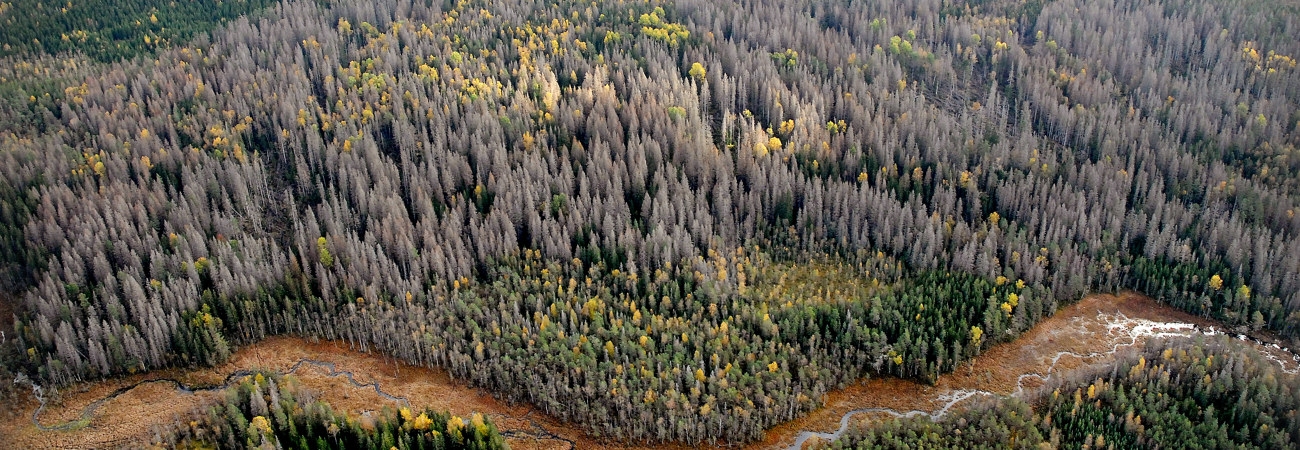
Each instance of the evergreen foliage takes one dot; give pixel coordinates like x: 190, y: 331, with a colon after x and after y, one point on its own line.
x: 1207, y: 393
x: 790, y: 195
x: 109, y: 30
x: 276, y: 412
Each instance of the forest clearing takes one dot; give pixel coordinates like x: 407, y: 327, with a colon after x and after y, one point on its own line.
x: 1095, y: 327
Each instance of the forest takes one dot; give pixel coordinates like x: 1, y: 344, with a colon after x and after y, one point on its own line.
x: 666, y: 221
x: 272, y: 411
x: 1207, y: 393
x: 111, y: 30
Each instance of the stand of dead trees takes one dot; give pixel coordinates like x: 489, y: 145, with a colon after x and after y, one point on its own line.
x: 661, y: 220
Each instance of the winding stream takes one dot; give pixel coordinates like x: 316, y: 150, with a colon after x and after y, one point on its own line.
x: 89, y: 411
x: 537, y: 431
x: 1121, y: 332
x: 1118, y: 328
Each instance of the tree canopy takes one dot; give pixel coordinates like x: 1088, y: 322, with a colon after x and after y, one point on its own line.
x: 664, y: 220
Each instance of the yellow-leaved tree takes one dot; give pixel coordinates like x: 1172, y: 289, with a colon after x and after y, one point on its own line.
x: 325, y: 258
x: 698, y: 72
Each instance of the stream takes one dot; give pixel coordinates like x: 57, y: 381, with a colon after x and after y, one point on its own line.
x: 1121, y: 330
x: 89, y: 411
x: 1118, y: 327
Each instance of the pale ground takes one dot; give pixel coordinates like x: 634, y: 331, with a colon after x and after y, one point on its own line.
x: 129, y: 418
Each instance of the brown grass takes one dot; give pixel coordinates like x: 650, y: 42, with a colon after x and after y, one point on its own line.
x: 1075, y: 328
x: 128, y: 419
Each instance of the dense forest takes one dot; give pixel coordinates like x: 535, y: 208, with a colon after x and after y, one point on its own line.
x: 1211, y: 393
x: 664, y: 221
x: 109, y: 30
x: 275, y: 412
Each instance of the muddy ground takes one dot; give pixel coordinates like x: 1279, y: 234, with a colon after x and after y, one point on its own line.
x: 1084, y: 328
